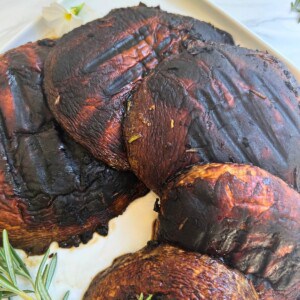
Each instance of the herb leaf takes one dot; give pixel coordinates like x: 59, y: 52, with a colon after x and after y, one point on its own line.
x: 295, y: 7
x: 22, y: 270
x: 8, y: 257
x: 75, y: 10
x: 12, y: 265
x: 66, y: 296
x: 141, y: 297
x: 39, y: 283
x: 51, y: 271
x: 7, y: 287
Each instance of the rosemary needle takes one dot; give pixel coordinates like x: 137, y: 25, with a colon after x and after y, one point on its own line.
x: 12, y: 266
x: 295, y: 6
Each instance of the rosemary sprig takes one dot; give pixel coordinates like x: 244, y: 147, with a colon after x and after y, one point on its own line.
x: 295, y: 6
x: 66, y: 296
x: 12, y: 266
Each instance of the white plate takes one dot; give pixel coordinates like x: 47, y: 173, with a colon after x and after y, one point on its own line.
x: 201, y: 9
x: 129, y: 232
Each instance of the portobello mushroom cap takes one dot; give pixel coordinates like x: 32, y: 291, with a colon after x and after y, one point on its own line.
x: 215, y: 103
x: 242, y: 214
x: 94, y: 69
x: 51, y: 189
x: 167, y: 272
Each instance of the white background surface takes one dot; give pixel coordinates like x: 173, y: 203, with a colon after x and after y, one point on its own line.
x: 270, y: 19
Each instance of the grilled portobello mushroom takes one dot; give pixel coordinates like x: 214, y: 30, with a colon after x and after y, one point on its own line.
x: 167, y: 272
x: 51, y: 189
x: 215, y: 103
x: 94, y: 69
x: 240, y: 213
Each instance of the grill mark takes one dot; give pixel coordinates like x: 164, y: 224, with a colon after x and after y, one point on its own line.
x: 32, y: 134
x: 296, y: 175
x: 261, y: 120
x: 20, y: 93
x: 70, y: 170
x: 14, y: 177
x: 258, y: 116
x: 279, y: 147
x: 30, y: 58
x: 138, y: 70
x: 123, y: 45
x: 207, y: 152
x: 34, y: 147
x: 252, y: 116
x: 6, y: 104
x: 126, y: 44
x: 144, y: 31
x: 148, y: 59
x: 220, y: 120
x: 229, y: 83
x: 124, y: 79
x: 283, y: 109
x: 163, y: 44
x: 51, y: 201
x: 24, y: 120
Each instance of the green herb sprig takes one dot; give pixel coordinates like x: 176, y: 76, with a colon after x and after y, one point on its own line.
x: 295, y: 6
x: 141, y: 297
x: 12, y: 266
x: 75, y: 10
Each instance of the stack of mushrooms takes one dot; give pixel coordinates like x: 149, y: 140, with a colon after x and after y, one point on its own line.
x: 144, y: 99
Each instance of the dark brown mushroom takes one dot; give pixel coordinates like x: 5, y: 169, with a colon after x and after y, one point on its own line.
x: 51, y: 189
x: 241, y: 213
x: 95, y: 68
x: 215, y: 103
x: 167, y: 272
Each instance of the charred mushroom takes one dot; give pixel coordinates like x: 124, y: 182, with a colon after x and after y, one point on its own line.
x: 167, y: 272
x: 215, y: 103
x: 241, y: 213
x: 94, y: 68
x: 51, y: 189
